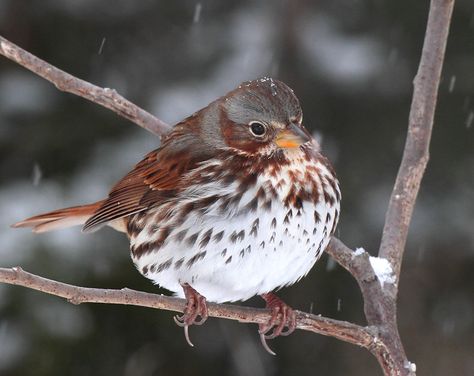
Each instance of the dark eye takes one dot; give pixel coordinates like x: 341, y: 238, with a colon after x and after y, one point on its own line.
x: 258, y: 129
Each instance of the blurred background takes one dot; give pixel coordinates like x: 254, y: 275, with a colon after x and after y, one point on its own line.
x: 350, y: 62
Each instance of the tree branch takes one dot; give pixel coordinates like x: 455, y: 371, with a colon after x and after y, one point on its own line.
x: 109, y: 98
x: 379, y: 302
x: 355, y: 334
x: 416, y: 153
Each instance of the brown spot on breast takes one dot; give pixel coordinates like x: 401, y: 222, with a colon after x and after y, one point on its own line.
x: 261, y: 193
x: 281, y: 183
x: 224, y: 252
x: 186, y: 209
x: 252, y: 205
x: 228, y: 179
x: 181, y: 235
x: 318, y: 251
x: 229, y: 201
x: 164, y: 265
x: 195, y: 258
x: 338, y: 194
x: 267, y: 205
x: 272, y: 192
x: 332, y: 182
x: 178, y: 263
x: 163, y: 235
x: 254, y: 230
x: 333, y: 227
x: 298, y: 202
x: 328, y: 198
x: 142, y: 249
x: 133, y: 229
x: 225, y: 202
x: 317, y: 217
x: 274, y: 223
x: 192, y: 239
x: 228, y: 260
x: 248, y: 180
x: 328, y: 218
x: 272, y: 238
x: 204, y: 203
x: 206, y: 237
x: 218, y: 237
x: 334, y: 222
x: 237, y: 236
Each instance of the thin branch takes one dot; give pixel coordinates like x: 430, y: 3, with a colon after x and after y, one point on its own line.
x: 416, y: 153
x: 108, y: 98
x: 358, y: 265
x: 355, y: 334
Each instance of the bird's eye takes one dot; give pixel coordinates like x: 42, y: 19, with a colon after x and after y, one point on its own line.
x: 258, y: 129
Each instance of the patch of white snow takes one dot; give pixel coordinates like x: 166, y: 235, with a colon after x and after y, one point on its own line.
x: 359, y: 251
x: 383, y: 270
x: 410, y: 366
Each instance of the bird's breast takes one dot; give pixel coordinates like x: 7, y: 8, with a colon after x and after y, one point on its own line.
x: 233, y: 239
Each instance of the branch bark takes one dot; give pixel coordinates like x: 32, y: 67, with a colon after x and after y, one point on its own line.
x: 416, y: 153
x: 381, y: 336
x: 345, y: 331
x: 108, y: 98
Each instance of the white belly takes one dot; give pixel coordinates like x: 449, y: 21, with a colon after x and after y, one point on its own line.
x: 244, y: 252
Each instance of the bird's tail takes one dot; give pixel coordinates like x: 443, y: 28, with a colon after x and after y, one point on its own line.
x: 62, y: 218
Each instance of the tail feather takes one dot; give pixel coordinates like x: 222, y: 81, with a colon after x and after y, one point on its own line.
x: 62, y: 218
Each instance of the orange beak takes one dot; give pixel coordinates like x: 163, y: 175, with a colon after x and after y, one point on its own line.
x: 291, y: 137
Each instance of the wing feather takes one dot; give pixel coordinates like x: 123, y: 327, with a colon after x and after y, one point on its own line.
x: 154, y: 179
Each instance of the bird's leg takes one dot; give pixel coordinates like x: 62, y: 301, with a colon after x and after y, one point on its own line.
x: 282, y: 316
x: 196, y: 306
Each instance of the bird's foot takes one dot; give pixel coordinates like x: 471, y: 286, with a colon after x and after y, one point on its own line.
x: 196, y: 306
x: 282, y: 317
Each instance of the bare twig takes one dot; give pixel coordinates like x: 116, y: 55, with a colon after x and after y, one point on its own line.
x: 416, y: 153
x: 355, y: 334
x: 358, y: 266
x: 380, y: 303
x: 108, y: 98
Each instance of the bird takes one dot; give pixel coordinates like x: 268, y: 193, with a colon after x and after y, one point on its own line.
x: 237, y: 201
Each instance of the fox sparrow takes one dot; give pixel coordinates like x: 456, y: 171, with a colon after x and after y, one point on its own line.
x: 237, y: 201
